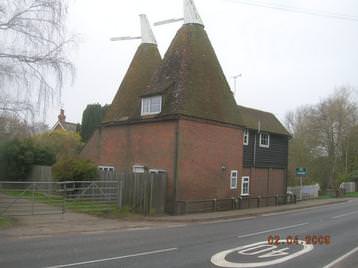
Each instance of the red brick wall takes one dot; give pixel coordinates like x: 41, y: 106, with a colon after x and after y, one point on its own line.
x: 277, y: 181
x: 265, y: 181
x: 90, y: 151
x: 150, y: 144
x: 204, y: 149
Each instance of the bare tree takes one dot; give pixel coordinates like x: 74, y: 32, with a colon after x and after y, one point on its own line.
x: 331, y: 124
x: 33, y: 60
x: 322, y: 136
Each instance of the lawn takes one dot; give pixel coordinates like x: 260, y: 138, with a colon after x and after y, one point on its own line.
x: 355, y: 194
x: 328, y: 196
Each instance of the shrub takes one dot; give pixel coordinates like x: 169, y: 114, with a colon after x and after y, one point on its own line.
x: 74, y: 169
x: 62, y: 143
x: 18, y: 157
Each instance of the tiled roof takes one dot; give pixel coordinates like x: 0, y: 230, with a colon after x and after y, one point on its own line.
x: 191, y: 80
x: 268, y: 122
x: 70, y: 126
x: 126, y: 103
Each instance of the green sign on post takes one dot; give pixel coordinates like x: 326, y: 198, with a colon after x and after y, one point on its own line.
x: 301, y: 172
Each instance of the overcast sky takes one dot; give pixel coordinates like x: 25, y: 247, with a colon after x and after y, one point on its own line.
x: 286, y: 59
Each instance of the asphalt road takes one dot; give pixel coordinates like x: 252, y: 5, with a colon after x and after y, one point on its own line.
x: 332, y: 230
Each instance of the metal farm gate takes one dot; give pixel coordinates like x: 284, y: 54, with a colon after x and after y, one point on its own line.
x: 141, y: 193
x: 43, y: 198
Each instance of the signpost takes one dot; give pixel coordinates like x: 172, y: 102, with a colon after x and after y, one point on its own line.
x: 301, y: 172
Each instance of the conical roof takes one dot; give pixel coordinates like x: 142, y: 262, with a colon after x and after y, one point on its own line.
x: 191, y: 80
x: 126, y: 103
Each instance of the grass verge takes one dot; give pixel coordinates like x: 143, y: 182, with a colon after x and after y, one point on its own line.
x: 5, y: 222
x: 355, y: 194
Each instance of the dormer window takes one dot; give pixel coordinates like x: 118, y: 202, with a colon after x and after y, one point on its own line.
x: 151, y: 105
x: 264, y: 140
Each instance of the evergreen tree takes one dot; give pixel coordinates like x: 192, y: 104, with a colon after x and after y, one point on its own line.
x: 91, y: 118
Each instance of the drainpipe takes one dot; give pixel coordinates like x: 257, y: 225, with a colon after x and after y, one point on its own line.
x: 176, y: 166
x: 254, y: 164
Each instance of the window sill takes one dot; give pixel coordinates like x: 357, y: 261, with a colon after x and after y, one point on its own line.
x: 148, y: 114
x: 265, y: 146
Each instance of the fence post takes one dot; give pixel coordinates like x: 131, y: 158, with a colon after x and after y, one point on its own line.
x: 214, y: 204
x: 119, y: 193
x: 33, y: 199
x: 151, y: 179
x: 64, y: 198
x: 276, y: 200
x: 258, y: 201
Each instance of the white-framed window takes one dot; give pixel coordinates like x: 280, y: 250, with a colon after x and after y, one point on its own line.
x: 106, y: 172
x: 151, y: 105
x: 246, y: 136
x: 264, y: 140
x: 156, y: 171
x: 138, y: 169
x: 245, y: 185
x: 233, y: 179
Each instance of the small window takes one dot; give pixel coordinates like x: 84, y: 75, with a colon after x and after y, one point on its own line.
x: 157, y: 171
x: 138, y: 169
x: 151, y: 105
x: 233, y: 179
x: 245, y: 186
x: 106, y: 172
x: 264, y: 140
x: 246, y: 137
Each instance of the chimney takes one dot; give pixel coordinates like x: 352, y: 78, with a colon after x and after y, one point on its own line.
x: 61, y: 116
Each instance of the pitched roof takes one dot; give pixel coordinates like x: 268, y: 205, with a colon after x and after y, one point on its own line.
x: 268, y: 122
x: 191, y: 80
x: 126, y: 103
x: 68, y: 126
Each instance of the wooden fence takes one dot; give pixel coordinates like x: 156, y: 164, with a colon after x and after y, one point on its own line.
x: 144, y: 193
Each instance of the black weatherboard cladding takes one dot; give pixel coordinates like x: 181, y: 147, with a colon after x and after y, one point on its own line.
x: 276, y: 156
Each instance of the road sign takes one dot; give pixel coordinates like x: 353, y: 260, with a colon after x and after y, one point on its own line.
x: 301, y: 171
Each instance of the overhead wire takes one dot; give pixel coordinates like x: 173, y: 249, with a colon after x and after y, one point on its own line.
x: 307, y: 11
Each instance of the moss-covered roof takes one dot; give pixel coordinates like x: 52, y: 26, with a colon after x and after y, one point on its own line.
x: 268, y: 122
x: 126, y: 103
x: 191, y: 80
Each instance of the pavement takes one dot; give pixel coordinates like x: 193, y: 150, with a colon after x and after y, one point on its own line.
x: 318, y: 236
x: 74, y: 223
x: 231, y: 214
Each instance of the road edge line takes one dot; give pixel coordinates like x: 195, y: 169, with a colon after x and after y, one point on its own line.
x: 336, y: 261
x: 273, y: 230
x: 114, y: 258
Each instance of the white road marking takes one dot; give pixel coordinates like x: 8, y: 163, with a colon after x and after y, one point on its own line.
x: 115, y: 258
x: 304, y: 210
x: 219, y: 258
x: 227, y: 220
x: 273, y: 230
x: 332, y: 264
x: 345, y: 214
